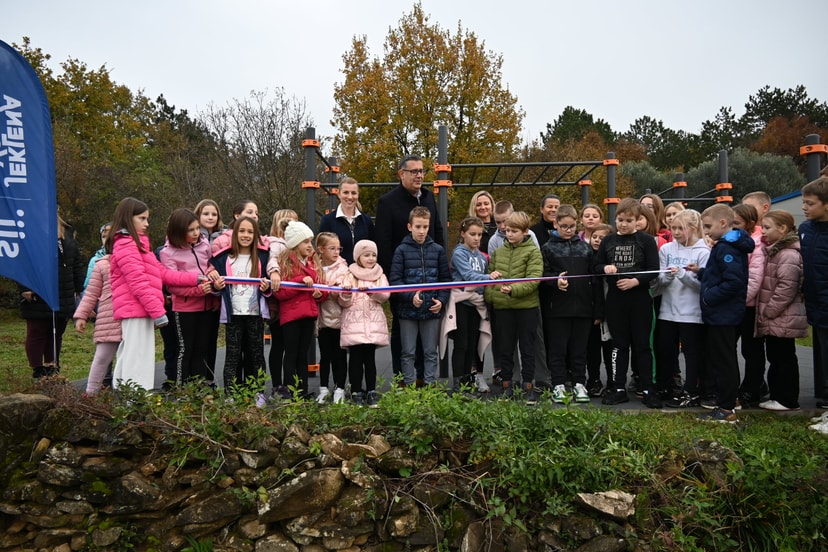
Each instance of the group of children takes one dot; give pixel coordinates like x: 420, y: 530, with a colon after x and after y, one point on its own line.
x: 599, y: 284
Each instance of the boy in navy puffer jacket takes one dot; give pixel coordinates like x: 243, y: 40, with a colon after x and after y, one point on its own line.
x: 723, y: 293
x: 420, y: 260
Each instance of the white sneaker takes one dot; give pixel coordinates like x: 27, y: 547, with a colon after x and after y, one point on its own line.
x: 776, y: 406
x: 483, y: 387
x: 339, y: 396
x: 821, y: 427
x: 559, y: 394
x: 323, y: 395
x: 822, y: 418
x: 581, y: 393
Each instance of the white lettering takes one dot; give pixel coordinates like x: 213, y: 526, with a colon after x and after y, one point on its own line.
x: 11, y: 103
x: 14, y: 118
x: 9, y: 249
x: 16, y: 133
x: 9, y: 180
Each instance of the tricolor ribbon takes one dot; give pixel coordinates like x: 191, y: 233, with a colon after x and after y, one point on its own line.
x: 431, y: 286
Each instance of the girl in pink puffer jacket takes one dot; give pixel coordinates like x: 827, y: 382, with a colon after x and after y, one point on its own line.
x: 364, y: 325
x: 136, y: 277
x: 107, y: 329
x: 780, y: 311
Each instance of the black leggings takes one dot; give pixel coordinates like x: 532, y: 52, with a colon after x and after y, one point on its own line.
x: 298, y: 337
x: 244, y: 340
x: 332, y: 356
x: 362, y: 361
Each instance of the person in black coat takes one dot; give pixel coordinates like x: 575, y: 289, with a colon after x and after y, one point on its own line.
x: 347, y: 221
x: 391, y: 227
x: 42, y: 349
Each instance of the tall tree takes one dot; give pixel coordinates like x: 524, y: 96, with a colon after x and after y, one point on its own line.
x: 666, y: 148
x: 574, y: 124
x: 391, y: 106
x: 768, y: 104
x: 260, y: 149
x: 100, y: 132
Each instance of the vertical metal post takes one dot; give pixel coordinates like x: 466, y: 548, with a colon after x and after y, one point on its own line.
x: 611, y: 188
x: 812, y: 157
x: 332, y: 176
x: 442, y: 159
x: 584, y: 185
x: 310, y: 176
x: 722, y: 173
x: 679, y: 186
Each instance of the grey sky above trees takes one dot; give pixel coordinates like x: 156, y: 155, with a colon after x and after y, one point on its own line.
x: 675, y: 62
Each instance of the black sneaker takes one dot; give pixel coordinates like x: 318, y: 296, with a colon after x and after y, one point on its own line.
x: 529, y: 394
x: 496, y: 379
x: 594, y: 388
x: 372, y: 399
x: 685, y: 400
x: 508, y: 392
x: 615, y: 397
x: 749, y: 400
x: 649, y: 398
x: 636, y: 388
x: 358, y: 398
x: 822, y: 402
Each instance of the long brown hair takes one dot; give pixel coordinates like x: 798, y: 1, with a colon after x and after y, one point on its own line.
x: 235, y: 246
x: 122, y: 220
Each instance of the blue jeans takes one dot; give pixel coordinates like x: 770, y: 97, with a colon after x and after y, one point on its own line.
x: 429, y: 332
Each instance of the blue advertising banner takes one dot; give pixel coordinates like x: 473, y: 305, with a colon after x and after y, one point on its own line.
x: 28, y: 210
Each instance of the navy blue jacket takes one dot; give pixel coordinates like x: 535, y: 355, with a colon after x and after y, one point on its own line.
x: 724, y: 280
x: 813, y: 243
x: 415, y: 263
x: 363, y: 229
x: 391, y: 224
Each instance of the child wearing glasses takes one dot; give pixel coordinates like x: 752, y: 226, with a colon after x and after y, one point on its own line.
x: 331, y: 355
x: 575, y: 305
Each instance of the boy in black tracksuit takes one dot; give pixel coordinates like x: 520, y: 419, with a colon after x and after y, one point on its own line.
x: 722, y: 296
x: 629, y: 305
x: 574, y: 305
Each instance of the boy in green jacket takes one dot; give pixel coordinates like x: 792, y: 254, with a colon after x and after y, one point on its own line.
x: 516, y: 305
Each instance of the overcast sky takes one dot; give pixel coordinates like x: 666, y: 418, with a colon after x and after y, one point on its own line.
x: 678, y: 62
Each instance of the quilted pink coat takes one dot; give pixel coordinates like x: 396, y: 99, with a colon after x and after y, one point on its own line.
x: 107, y: 329
x: 780, y: 311
x: 363, y: 319
x: 137, y: 277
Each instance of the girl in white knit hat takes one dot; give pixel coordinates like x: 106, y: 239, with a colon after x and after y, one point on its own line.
x: 298, y: 308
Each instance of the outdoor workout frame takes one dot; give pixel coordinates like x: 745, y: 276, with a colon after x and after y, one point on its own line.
x: 814, y: 152
x: 570, y: 173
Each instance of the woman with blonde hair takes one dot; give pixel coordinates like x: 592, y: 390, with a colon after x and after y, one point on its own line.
x: 482, y: 206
